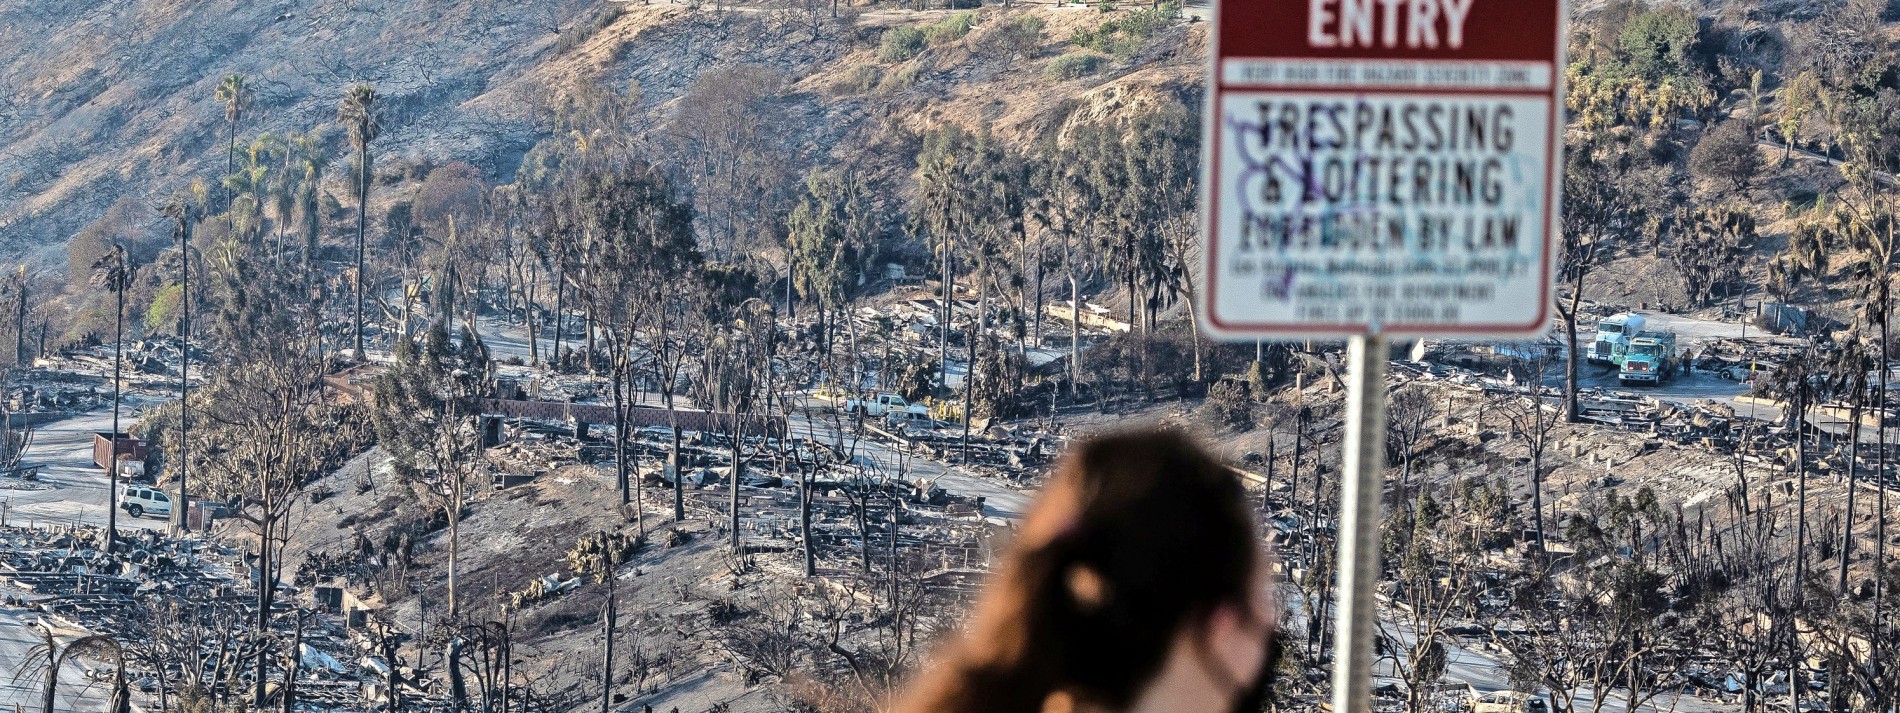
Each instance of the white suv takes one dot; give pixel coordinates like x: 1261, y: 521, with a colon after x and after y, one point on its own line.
x: 138, y: 501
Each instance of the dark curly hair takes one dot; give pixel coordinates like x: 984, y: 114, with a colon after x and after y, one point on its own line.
x: 1138, y: 536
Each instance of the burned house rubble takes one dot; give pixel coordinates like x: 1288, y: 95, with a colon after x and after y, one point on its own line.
x: 840, y: 475
x: 848, y: 491
x: 1721, y: 437
x: 180, y: 612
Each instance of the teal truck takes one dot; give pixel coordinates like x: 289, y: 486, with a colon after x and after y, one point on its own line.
x: 1651, y: 359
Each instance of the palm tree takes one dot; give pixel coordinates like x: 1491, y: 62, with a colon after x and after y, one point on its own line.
x: 1848, y: 372
x: 185, y: 210
x: 47, y: 657
x: 235, y: 94
x: 113, y: 271
x: 357, y: 114
x: 1793, y: 386
x: 250, y: 187
x: 283, y: 191
x: 307, y: 171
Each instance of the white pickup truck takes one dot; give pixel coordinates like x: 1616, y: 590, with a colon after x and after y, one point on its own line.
x: 883, y: 405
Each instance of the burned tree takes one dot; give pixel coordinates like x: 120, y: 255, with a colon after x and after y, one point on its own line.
x: 624, y: 244
x: 427, y: 412
x: 44, y: 660
x: 1422, y: 551
x: 113, y: 272
x: 1598, y: 213
x: 1409, y: 410
x: 265, y: 430
x: 1601, y: 628
x: 357, y: 114
x: 599, y: 556
x: 1705, y: 246
x: 1797, y: 386
x: 1534, y: 421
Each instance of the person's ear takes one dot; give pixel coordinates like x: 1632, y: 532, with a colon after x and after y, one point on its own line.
x: 1237, y: 638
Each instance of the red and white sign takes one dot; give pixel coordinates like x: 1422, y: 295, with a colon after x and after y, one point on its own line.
x: 1382, y: 166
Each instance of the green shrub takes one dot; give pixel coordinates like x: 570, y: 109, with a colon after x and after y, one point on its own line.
x: 949, y: 29
x: 899, y: 79
x: 900, y: 43
x: 1229, y: 405
x: 1125, y: 35
x: 863, y: 78
x: 1021, y: 34
x: 1074, y: 65
x: 578, y: 34
x: 1800, y: 201
x: 162, y: 315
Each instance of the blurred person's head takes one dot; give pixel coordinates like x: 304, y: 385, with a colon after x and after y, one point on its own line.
x: 1135, y: 584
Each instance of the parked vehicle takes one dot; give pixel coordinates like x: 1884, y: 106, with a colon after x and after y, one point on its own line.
x: 909, y: 419
x: 1507, y: 702
x: 1613, y: 338
x: 1651, y: 359
x: 883, y: 405
x: 139, y: 501
x: 106, y: 449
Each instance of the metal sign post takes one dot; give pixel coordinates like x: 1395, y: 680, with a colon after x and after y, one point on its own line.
x: 1359, y: 500
x: 1375, y: 169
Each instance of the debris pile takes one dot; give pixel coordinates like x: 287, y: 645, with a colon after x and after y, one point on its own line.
x: 154, y: 592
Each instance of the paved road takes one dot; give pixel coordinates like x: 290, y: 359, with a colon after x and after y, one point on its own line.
x: 18, y: 635
x: 1691, y: 387
x: 77, y: 492
x: 1691, y: 335
x: 999, y: 499
x: 511, y: 340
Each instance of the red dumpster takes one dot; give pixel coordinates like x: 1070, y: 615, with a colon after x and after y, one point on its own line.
x: 103, y: 450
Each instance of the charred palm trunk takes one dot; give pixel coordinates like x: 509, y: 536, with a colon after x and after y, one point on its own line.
x: 1853, y: 482
x: 266, y: 588
x: 19, y: 321
x: 1037, y: 315
x: 620, y: 424
x: 1537, y: 492
x: 560, y: 313
x: 738, y: 471
x: 969, y: 370
x: 607, y: 664
x: 949, y: 316
x: 183, y: 507
x: 1880, y: 515
x: 673, y: 457
x: 587, y: 311
x: 1801, y: 490
x: 362, y: 226
x: 861, y: 504
x: 638, y: 483
x: 1075, y: 333
x: 1570, y: 359
x: 455, y: 546
x: 1299, y: 452
x: 112, y: 460
x: 291, y: 666
x: 528, y: 314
